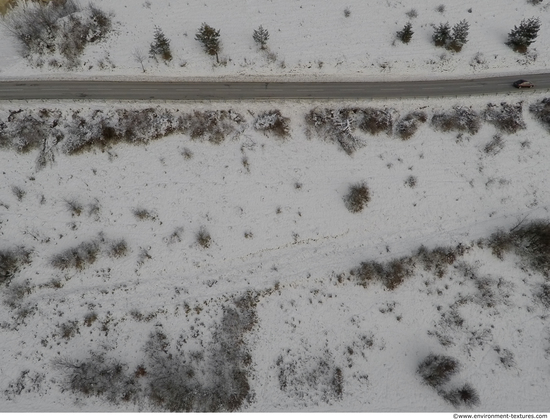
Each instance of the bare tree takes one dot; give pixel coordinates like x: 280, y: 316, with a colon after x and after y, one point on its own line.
x: 140, y: 57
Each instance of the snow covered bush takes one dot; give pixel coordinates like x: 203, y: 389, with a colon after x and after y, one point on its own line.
x: 311, y: 378
x: 203, y: 237
x: 98, y: 376
x: 460, y: 118
x: 357, y: 197
x: 11, y: 260
x: 77, y: 257
x: 46, y: 28
x: 407, y: 126
x: 337, y: 125
x: 541, y: 111
x: 214, y: 126
x: 273, y: 121
x: 494, y: 146
x: 531, y: 242
x: 436, y: 370
x: 376, y: 121
x: 465, y: 395
x: 391, y: 273
x: 507, y: 118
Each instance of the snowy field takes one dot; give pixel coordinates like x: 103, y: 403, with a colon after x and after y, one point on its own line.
x: 309, y: 39
x: 273, y: 285
x: 202, y: 256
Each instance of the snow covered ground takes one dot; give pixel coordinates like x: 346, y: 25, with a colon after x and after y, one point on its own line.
x: 309, y: 39
x: 110, y: 303
x: 283, y: 242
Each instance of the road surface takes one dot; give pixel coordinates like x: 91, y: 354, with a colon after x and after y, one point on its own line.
x: 135, y: 90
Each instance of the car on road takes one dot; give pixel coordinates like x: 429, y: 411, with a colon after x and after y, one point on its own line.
x: 523, y: 84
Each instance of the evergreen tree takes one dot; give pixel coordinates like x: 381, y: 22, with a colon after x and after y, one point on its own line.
x: 442, y: 34
x: 261, y: 36
x: 406, y: 34
x: 210, y: 39
x: 523, y: 36
x: 459, y: 36
x: 160, y: 46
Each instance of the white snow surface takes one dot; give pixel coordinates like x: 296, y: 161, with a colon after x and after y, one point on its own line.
x: 290, y: 200
x: 309, y: 40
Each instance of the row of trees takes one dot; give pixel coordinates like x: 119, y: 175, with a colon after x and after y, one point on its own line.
x: 519, y: 38
x: 209, y: 38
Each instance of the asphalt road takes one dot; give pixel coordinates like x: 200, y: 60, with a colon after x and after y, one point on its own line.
x: 131, y: 90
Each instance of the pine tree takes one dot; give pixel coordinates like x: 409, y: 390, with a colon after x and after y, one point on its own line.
x: 160, y: 46
x: 520, y: 38
x: 261, y: 36
x: 459, y: 36
x: 442, y: 34
x: 406, y: 34
x: 210, y: 39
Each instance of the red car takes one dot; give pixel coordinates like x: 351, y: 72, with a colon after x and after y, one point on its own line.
x: 523, y: 84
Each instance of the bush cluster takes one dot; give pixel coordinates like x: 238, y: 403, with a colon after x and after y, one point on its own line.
x: 530, y: 241
x: 437, y: 370
x: 273, y: 121
x: 86, y: 253
x: 46, y: 28
x: 541, y: 111
x: 507, y: 117
x: 460, y: 118
x: 406, y: 127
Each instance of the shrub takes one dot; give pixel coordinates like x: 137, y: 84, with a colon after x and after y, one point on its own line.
x: 412, y: 13
x: 509, y: 118
x: 494, y: 146
x: 11, y: 260
x: 436, y: 370
x: 98, y: 376
x: 375, y: 121
x: 337, y: 125
x: 464, y: 395
x: 273, y: 121
x: 18, y: 192
x: 214, y: 126
x: 407, y: 126
x: 461, y: 119
x: 118, y: 249
x: 78, y: 257
x: 357, y: 197
x: 436, y: 260
x: 143, y: 214
x: 74, y: 207
x: 541, y: 111
x: 411, y: 181
x: 440, y: 8
x: 203, y: 238
x: 391, y: 274
x: 405, y: 35
x: 531, y: 242
x: 544, y: 295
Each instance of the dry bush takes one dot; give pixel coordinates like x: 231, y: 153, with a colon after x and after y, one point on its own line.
x: 98, y: 376
x: 77, y: 257
x: 411, y: 181
x: 203, y: 238
x: 74, y: 207
x: 407, y: 126
x: 273, y: 121
x: 436, y: 370
x: 375, y: 121
x: 541, y: 111
x: 544, y: 295
x: 11, y: 260
x: 118, y: 249
x: 214, y: 126
x: 15, y: 293
x: 460, y: 118
x: 143, y: 214
x: 337, y: 125
x: 68, y: 329
x: 438, y: 259
x: 494, y: 146
x: 507, y: 118
x: 391, y: 274
x: 18, y: 192
x: 357, y: 197
x: 531, y: 242
x: 465, y: 395
x: 310, y: 378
